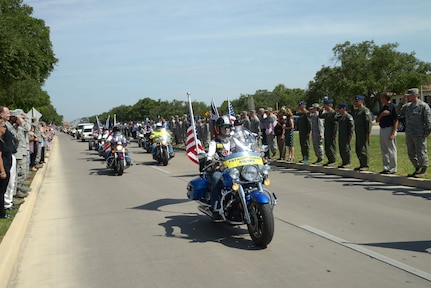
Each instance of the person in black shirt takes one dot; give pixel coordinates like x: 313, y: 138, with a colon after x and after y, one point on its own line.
x: 388, y: 122
x: 7, y: 148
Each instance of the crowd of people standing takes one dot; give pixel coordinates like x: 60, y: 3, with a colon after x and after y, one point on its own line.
x: 23, y: 142
x: 331, y: 130
x: 325, y: 125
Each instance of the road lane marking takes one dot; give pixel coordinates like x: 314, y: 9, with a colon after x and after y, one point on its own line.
x: 161, y: 170
x: 368, y: 252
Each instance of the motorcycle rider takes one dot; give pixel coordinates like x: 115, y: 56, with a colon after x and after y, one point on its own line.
x: 221, y: 146
x: 160, y: 132
x: 116, y: 137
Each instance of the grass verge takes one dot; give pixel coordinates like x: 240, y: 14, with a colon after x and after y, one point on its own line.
x: 5, y: 223
x: 403, y: 162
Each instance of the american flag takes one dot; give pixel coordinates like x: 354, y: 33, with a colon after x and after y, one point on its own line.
x: 191, y: 146
x: 107, y: 144
x: 214, y: 117
x: 232, y: 116
x: 99, y: 125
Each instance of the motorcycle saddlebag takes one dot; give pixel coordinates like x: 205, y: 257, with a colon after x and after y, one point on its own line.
x: 197, y: 188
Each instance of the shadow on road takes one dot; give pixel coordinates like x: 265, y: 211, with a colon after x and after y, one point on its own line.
x: 198, y: 228
x: 367, y: 185
x: 416, y: 246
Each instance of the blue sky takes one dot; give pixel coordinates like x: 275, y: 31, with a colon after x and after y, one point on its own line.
x: 114, y: 53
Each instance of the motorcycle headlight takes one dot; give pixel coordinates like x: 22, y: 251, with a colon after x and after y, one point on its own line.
x: 250, y: 172
x: 119, y: 147
x: 234, y: 174
x: 164, y: 142
x: 266, y: 169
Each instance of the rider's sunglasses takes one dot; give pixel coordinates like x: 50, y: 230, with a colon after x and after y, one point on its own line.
x: 225, y: 126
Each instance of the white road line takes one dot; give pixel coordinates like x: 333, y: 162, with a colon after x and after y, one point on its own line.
x: 368, y: 252
x: 161, y: 170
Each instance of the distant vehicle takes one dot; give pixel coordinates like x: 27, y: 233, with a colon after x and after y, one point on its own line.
x: 401, y: 123
x: 87, y: 133
x: 80, y: 127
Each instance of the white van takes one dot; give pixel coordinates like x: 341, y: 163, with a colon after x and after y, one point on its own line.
x: 87, y: 133
x: 80, y: 128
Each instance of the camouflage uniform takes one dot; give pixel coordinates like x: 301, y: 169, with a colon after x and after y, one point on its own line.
x: 363, y: 125
x: 317, y: 135
x: 418, y: 127
x: 254, y: 123
x: 346, y: 126
x: 330, y: 133
x: 304, y: 128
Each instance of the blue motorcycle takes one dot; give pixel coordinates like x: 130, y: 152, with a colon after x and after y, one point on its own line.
x: 244, y: 198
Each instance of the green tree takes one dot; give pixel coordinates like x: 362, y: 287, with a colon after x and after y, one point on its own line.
x: 26, y: 94
x: 367, y: 69
x: 26, y: 57
x: 25, y: 47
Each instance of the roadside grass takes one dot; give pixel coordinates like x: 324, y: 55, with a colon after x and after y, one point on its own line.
x: 404, y: 165
x: 5, y: 223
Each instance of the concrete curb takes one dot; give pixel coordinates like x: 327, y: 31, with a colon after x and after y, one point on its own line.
x: 365, y: 175
x: 11, y: 243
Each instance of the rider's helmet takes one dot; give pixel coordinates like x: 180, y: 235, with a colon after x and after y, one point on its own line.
x: 159, y: 125
x: 223, y: 121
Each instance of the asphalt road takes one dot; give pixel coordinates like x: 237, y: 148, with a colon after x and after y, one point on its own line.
x: 92, y: 229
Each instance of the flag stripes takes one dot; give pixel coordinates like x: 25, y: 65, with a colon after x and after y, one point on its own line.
x: 191, y: 146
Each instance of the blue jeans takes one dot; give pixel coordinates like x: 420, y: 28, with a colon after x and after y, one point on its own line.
x: 216, y: 186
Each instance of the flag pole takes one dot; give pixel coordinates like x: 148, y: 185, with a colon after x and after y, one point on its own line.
x: 192, y: 120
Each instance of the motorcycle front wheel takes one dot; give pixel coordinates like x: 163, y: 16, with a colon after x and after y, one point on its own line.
x: 261, y: 228
x: 165, y: 156
x: 120, y: 168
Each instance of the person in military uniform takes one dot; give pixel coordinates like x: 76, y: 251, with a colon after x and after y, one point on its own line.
x: 317, y: 130
x: 418, y: 128
x: 330, y: 132
x: 254, y: 122
x: 363, y: 125
x: 346, y: 126
x: 304, y: 129
x: 245, y: 120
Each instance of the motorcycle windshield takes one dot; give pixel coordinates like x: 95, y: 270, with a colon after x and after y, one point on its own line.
x: 245, y: 150
x: 164, y: 135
